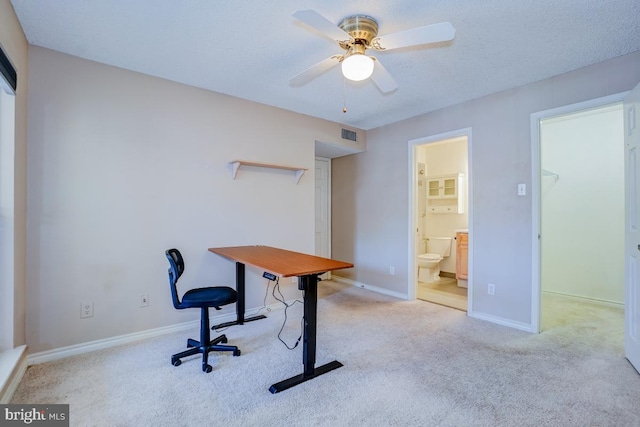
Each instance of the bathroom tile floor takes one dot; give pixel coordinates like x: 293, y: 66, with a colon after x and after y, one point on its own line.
x: 444, y: 292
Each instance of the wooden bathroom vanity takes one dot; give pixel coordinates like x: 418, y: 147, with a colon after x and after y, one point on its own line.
x: 462, y: 258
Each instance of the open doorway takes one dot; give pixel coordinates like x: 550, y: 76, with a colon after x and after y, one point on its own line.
x: 580, y: 201
x: 440, y: 252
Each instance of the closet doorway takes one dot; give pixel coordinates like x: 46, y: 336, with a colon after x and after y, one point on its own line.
x: 581, y: 206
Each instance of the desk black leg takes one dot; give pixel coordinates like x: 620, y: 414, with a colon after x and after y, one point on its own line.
x: 310, y: 286
x: 240, y: 290
x: 240, y: 303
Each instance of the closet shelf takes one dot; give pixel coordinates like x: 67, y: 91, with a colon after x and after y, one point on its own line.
x: 237, y: 163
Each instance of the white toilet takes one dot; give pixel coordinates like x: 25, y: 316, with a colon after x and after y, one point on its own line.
x: 437, y: 249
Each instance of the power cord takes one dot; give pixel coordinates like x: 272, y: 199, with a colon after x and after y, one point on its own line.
x: 264, y: 300
x: 281, y: 299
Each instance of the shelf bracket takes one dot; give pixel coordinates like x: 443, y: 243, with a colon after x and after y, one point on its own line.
x: 235, y: 166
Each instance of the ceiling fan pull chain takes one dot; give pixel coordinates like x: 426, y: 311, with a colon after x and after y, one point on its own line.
x: 344, y: 96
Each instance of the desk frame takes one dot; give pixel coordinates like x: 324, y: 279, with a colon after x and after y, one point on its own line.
x: 308, y: 284
x: 283, y: 263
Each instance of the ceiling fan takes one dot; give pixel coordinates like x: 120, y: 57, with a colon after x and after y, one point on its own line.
x: 357, y: 33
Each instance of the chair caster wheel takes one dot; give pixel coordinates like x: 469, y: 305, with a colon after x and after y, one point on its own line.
x: 176, y: 362
x: 207, y: 368
x: 224, y: 339
x: 237, y: 353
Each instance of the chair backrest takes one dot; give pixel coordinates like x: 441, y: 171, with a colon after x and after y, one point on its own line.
x: 176, y: 268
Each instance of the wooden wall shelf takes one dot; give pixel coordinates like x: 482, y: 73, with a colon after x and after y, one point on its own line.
x: 237, y: 163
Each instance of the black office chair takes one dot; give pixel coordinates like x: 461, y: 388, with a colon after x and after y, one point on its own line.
x: 215, y: 296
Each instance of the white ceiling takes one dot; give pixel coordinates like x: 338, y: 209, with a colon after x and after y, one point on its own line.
x: 250, y: 48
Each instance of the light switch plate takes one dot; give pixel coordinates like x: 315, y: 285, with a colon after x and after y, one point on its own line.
x: 522, y: 189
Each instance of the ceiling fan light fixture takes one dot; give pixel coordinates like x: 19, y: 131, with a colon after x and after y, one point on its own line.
x: 357, y: 67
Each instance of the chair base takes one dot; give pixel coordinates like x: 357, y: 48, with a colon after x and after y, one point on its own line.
x: 195, y: 348
x: 205, y: 345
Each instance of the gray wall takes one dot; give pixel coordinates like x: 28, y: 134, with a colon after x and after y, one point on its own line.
x: 371, y: 194
x: 123, y: 166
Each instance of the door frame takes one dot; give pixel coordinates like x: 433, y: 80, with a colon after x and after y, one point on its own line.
x: 413, y: 207
x: 327, y: 275
x: 536, y: 176
x: 631, y: 279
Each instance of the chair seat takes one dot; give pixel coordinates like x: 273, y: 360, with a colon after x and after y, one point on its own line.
x: 209, y: 297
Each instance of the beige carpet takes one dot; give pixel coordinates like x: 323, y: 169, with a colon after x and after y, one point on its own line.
x: 406, y: 364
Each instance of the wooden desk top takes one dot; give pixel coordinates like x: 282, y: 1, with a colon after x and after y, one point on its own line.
x: 279, y: 261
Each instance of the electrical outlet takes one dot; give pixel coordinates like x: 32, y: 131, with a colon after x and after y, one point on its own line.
x: 392, y: 270
x: 491, y: 289
x: 144, y: 300
x: 86, y: 309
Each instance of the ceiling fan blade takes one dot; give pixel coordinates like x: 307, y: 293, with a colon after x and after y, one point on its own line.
x: 441, y: 32
x: 381, y: 77
x: 322, y: 24
x: 314, y: 71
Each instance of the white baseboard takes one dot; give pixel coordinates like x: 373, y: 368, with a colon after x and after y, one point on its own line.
x: 502, y: 321
x: 604, y: 302
x: 73, y: 350
x: 13, y: 365
x: 86, y: 347
x: 377, y: 289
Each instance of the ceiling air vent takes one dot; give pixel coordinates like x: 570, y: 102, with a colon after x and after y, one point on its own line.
x: 349, y: 134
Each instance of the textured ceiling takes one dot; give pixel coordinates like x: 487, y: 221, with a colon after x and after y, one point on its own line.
x: 250, y: 48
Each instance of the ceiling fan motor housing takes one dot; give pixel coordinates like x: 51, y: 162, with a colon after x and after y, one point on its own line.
x: 362, y: 28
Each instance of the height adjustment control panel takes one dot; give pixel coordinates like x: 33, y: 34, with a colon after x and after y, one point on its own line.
x: 269, y: 276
